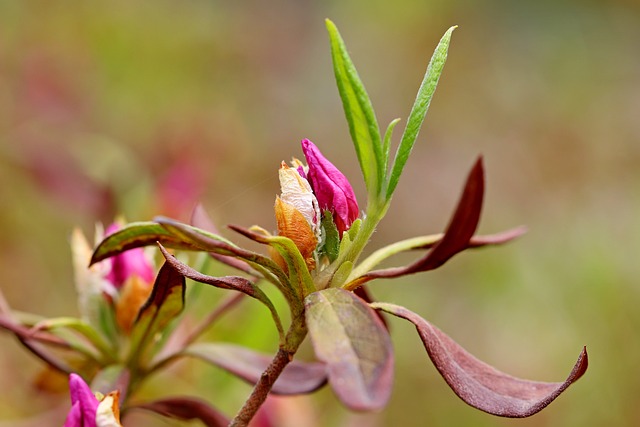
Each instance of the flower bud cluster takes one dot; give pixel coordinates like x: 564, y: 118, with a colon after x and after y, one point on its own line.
x: 306, y: 192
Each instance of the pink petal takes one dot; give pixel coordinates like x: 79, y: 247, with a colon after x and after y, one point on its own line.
x: 331, y: 187
x: 84, y: 404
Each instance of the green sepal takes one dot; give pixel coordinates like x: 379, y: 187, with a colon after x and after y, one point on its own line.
x: 331, y: 246
x: 341, y: 274
x: 355, y: 229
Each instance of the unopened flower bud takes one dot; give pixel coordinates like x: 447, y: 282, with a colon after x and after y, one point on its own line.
x: 89, y: 411
x: 331, y: 187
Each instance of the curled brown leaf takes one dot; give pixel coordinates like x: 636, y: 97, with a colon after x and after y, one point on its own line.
x: 479, y: 384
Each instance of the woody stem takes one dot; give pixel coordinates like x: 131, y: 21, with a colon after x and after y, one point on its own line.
x: 296, y: 334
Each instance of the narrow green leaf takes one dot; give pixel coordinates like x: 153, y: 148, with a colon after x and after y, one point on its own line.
x: 363, y: 125
x: 419, y: 110
x: 350, y: 338
x: 135, y: 235
x: 386, y: 146
x: 165, y: 303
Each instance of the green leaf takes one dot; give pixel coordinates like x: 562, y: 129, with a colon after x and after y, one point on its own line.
x: 331, y: 246
x: 297, y: 377
x: 135, y: 235
x: 165, y: 303
x: 363, y: 125
x: 419, y: 110
x: 350, y: 338
x: 387, y: 139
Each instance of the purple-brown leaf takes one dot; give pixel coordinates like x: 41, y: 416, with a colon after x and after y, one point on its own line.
x: 297, y: 377
x: 186, y: 408
x: 164, y: 304
x: 349, y: 337
x: 479, y: 384
x: 235, y: 283
x: 458, y: 234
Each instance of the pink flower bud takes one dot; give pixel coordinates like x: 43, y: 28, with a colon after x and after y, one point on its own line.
x: 84, y: 404
x: 127, y: 264
x: 331, y: 188
x: 89, y: 411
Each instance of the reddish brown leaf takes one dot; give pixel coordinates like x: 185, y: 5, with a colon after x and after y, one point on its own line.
x: 481, y: 385
x: 186, y: 408
x: 349, y: 337
x: 497, y: 238
x: 164, y: 304
x: 458, y: 234
x: 297, y: 378
x: 46, y: 346
x: 235, y: 283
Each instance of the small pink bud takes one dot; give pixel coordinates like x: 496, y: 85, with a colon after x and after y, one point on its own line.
x: 84, y: 404
x: 127, y: 264
x: 331, y: 187
x: 89, y: 411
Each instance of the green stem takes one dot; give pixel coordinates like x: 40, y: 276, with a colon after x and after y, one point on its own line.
x: 375, y: 213
x: 383, y: 253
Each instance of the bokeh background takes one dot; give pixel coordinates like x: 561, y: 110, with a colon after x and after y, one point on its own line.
x: 144, y: 108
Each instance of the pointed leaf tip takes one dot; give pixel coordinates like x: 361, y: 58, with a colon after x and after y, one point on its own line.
x: 479, y: 384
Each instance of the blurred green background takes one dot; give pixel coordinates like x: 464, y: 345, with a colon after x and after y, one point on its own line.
x: 143, y: 108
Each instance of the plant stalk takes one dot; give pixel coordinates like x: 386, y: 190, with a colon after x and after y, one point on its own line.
x: 296, y: 334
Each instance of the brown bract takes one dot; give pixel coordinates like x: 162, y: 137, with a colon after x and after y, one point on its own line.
x: 292, y: 224
x: 133, y: 295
